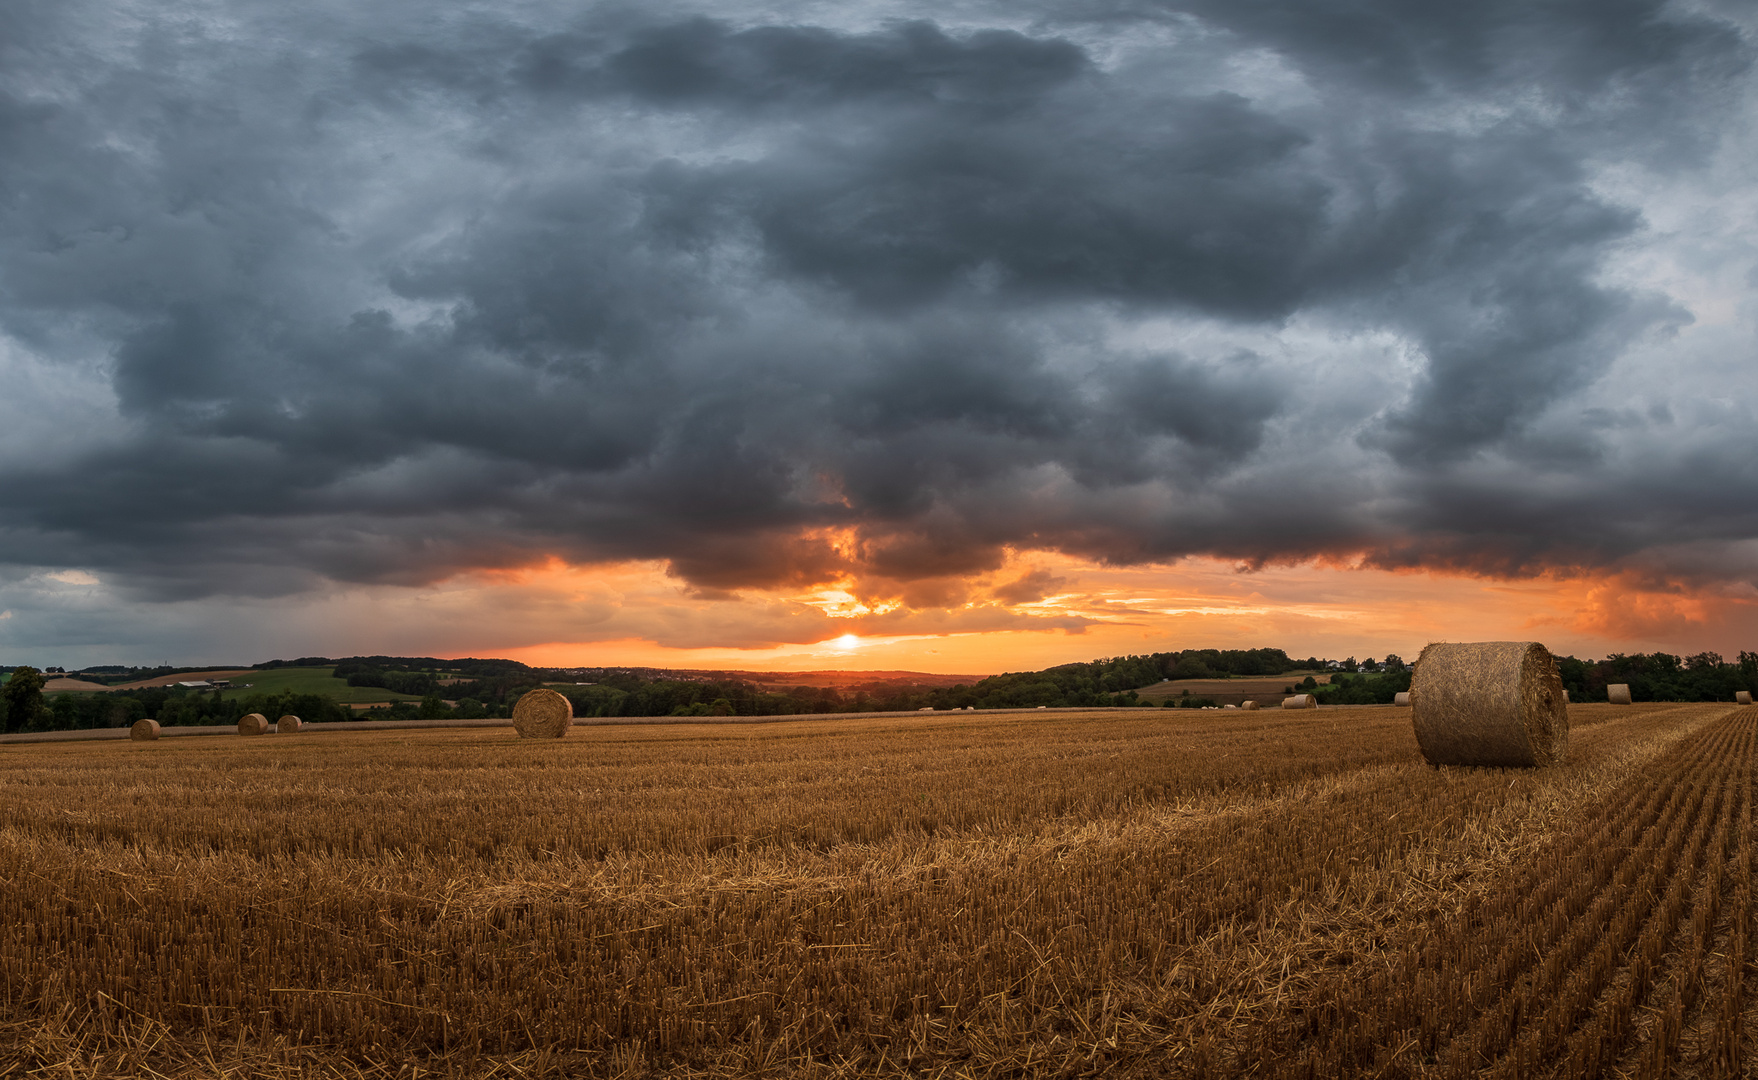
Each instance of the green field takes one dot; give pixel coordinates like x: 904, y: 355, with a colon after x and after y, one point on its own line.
x: 312, y: 680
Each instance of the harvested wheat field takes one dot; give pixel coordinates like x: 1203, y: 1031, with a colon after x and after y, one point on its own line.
x: 1126, y: 893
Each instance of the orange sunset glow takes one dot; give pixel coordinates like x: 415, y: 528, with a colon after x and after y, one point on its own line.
x: 1104, y: 611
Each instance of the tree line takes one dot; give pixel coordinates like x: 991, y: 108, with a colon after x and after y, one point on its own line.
x: 24, y: 707
x: 495, y: 685
x: 1707, y: 676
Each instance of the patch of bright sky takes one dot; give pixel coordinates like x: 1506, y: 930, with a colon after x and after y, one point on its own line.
x: 73, y: 577
x: 54, y: 410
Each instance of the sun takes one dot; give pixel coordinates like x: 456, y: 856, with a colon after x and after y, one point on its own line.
x: 847, y: 641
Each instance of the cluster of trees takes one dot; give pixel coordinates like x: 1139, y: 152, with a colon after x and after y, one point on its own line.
x: 1661, y: 676
x: 1114, y: 681
x: 398, y: 681
x: 490, y: 687
x: 1224, y: 663
x: 496, y: 685
x: 25, y: 708
x: 1651, y: 677
x: 468, y: 667
x: 1345, y: 689
x: 640, y: 693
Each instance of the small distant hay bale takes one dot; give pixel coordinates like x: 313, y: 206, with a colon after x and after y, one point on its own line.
x: 254, y: 724
x: 1566, y: 697
x: 1300, y: 701
x: 144, y: 730
x: 1248, y: 706
x: 288, y: 725
x: 1489, y: 703
x: 1618, y: 693
x: 1402, y: 697
x: 543, y: 714
x: 1229, y: 706
x: 1742, y: 697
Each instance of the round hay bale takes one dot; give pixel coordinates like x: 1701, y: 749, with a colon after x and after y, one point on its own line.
x: 288, y: 725
x: 1742, y: 697
x: 1300, y: 701
x: 1618, y: 693
x: 1402, y: 697
x: 1248, y: 706
x: 144, y: 730
x: 543, y: 714
x: 1565, y: 697
x: 1489, y: 703
x: 254, y: 724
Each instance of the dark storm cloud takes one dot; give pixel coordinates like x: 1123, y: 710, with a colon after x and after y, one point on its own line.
x: 379, y: 299
x: 705, y: 62
x: 1571, y: 51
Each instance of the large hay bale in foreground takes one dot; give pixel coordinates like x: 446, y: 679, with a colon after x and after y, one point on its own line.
x: 1248, y: 706
x: 1618, y: 693
x: 1402, y: 697
x: 254, y: 724
x: 543, y: 714
x: 1489, y: 703
x: 1742, y: 697
x: 1300, y: 701
x: 288, y: 725
x: 144, y: 730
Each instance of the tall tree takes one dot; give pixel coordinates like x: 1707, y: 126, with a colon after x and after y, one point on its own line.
x: 24, y: 698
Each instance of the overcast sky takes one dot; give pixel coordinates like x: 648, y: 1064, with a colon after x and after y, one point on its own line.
x: 329, y: 327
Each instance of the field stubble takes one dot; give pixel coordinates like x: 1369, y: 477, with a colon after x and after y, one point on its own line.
x: 1119, y: 892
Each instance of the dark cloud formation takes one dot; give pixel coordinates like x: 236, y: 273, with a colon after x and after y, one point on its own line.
x: 377, y: 298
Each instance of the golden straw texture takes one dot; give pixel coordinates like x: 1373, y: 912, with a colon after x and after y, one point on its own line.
x: 1618, y: 693
x: 543, y: 714
x: 254, y: 724
x: 1401, y: 698
x: 288, y: 725
x: 1300, y: 701
x: 1742, y: 697
x: 1489, y: 703
x: 144, y: 730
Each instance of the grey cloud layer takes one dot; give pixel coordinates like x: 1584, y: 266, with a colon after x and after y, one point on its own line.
x: 378, y: 301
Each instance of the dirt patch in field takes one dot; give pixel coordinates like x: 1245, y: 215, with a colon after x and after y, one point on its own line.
x: 1265, y: 690
x: 187, y: 676
x: 57, y: 685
